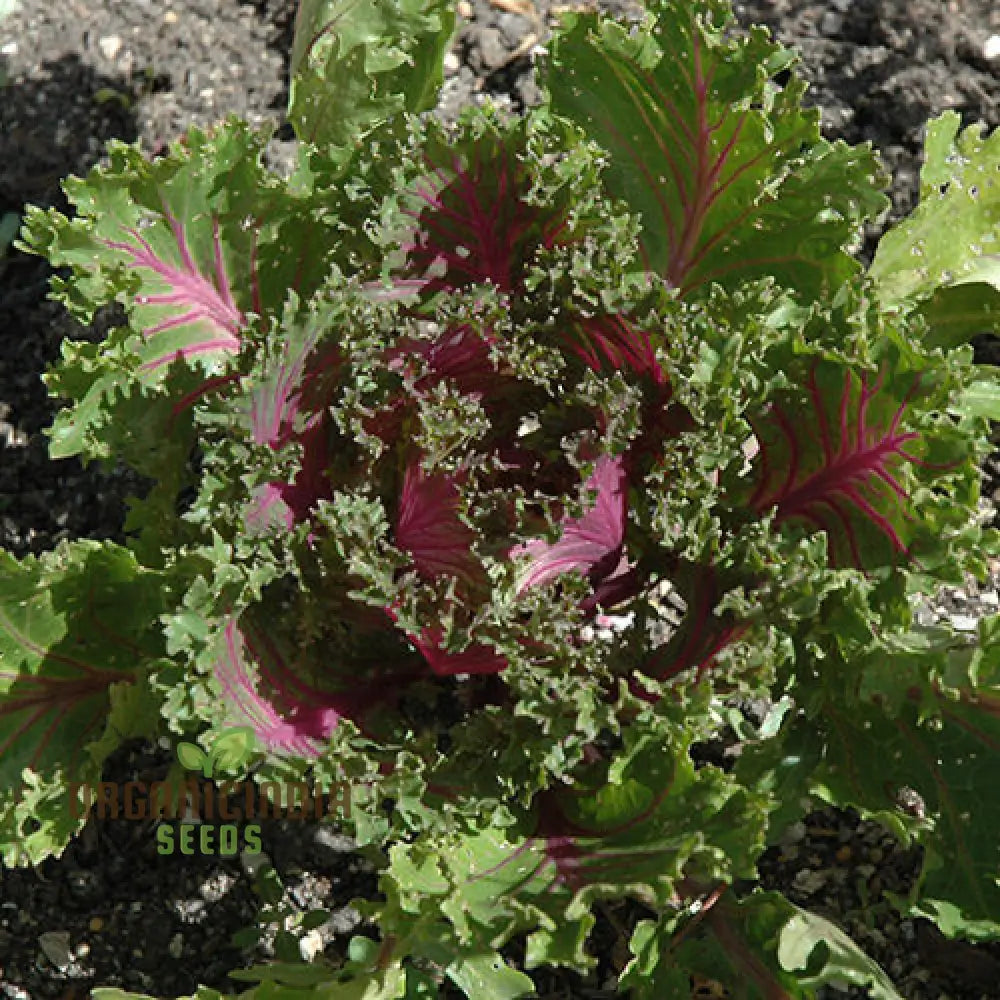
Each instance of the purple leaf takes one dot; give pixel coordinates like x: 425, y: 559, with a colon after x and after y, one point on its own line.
x: 592, y: 544
x: 297, y: 382
x: 429, y: 529
x: 471, y: 222
x: 428, y: 526
x: 460, y: 355
x: 287, y: 504
x: 612, y: 342
x: 702, y: 634
x: 261, y: 690
x: 475, y: 659
x: 185, y: 307
x: 830, y: 459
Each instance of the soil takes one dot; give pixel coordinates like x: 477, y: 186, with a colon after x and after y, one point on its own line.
x: 112, y: 911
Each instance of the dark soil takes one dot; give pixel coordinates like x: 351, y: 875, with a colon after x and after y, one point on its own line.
x: 112, y: 911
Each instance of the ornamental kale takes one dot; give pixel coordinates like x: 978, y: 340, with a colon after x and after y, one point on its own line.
x: 519, y: 451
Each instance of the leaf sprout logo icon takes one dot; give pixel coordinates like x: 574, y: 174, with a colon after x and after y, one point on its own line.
x: 229, y: 752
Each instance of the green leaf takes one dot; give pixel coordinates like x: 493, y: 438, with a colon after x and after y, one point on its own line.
x: 725, y: 168
x: 416, y: 873
x: 357, y: 63
x: 819, y: 953
x: 113, y: 993
x: 169, y: 235
x: 948, y: 242
x: 233, y: 748
x: 629, y: 832
x: 956, y: 313
x: 40, y: 815
x: 194, y: 244
x: 940, y: 741
x: 362, y: 950
x: 314, y: 918
x: 298, y: 981
x: 246, y: 937
x: 268, y: 885
x: 762, y: 947
x: 489, y: 977
x: 981, y: 399
x: 287, y: 973
x: 76, y: 626
x: 286, y: 947
x: 134, y: 713
x: 192, y: 757
x: 838, y: 454
x: 420, y: 985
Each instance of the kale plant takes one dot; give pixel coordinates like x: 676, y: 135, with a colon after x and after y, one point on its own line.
x: 494, y: 465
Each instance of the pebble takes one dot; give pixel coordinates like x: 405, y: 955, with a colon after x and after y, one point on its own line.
x: 252, y: 863
x: 330, y: 839
x: 55, y: 947
x: 831, y: 23
x: 492, y: 51
x: 214, y: 888
x: 808, y: 881
x: 794, y: 833
x: 83, y: 884
x: 110, y: 46
x: 311, y: 945
x: 991, y: 48
x: 176, y: 946
x: 190, y: 911
x: 344, y: 920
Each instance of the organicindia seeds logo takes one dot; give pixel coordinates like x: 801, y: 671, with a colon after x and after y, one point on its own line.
x: 231, y: 751
x: 217, y: 813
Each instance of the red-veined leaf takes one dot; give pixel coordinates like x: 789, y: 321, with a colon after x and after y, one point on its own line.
x: 726, y: 170
x: 72, y: 623
x: 832, y: 456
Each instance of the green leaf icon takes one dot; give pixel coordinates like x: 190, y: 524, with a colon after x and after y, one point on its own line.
x: 193, y: 757
x: 233, y: 748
